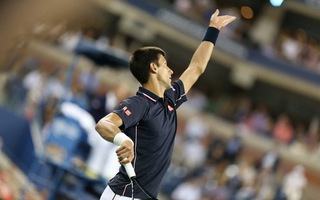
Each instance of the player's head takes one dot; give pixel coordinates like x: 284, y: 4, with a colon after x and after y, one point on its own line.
x: 141, y: 60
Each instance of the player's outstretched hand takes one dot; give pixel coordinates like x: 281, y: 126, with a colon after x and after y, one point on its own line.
x: 220, y: 21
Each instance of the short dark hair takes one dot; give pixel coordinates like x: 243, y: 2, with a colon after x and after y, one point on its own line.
x: 140, y: 62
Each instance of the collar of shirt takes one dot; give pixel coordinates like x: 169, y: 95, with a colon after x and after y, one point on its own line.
x: 149, y: 95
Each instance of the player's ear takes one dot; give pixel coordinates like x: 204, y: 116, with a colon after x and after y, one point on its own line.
x: 153, y: 67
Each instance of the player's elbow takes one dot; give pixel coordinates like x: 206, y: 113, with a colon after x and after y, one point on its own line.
x: 197, y: 67
x: 102, y: 130
x: 100, y: 126
x: 198, y: 70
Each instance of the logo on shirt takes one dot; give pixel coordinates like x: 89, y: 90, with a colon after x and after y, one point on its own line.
x: 126, y: 111
x: 170, y: 108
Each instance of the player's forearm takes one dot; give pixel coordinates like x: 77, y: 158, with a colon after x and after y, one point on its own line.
x: 199, y: 60
x: 201, y: 57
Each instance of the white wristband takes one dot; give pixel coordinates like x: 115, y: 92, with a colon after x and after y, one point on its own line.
x: 119, y: 138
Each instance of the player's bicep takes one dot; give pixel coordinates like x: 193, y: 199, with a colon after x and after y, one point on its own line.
x: 114, y: 119
x: 108, y: 126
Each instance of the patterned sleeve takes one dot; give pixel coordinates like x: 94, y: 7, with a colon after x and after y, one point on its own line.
x: 131, y: 111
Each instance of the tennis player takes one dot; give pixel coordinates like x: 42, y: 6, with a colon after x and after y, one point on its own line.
x: 144, y: 126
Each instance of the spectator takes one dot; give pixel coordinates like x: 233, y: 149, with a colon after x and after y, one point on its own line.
x: 197, y: 100
x: 258, y: 120
x: 216, y: 152
x: 196, y: 128
x: 106, y: 164
x: 217, y: 192
x: 283, y: 131
x: 313, y: 137
x: 311, y: 57
x: 176, y: 175
x: 266, y: 179
x: 34, y: 83
x: 298, y: 146
x: 292, y: 46
x: 270, y: 160
x: 183, y: 6
x: 6, y: 192
x: 194, y: 154
x: 78, y: 94
x: 294, y: 183
x: 189, y: 190
x: 242, y: 110
x: 313, y: 141
x: 233, y: 148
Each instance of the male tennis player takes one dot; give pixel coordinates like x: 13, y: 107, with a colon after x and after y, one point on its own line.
x: 144, y: 126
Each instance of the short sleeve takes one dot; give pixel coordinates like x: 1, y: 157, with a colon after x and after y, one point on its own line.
x: 176, y: 93
x: 131, y: 111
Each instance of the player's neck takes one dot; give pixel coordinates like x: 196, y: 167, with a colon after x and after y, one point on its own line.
x: 154, y: 88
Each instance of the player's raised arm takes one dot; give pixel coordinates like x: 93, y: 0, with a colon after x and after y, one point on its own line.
x: 203, y: 53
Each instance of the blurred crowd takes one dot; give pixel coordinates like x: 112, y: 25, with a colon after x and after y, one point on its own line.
x: 12, y: 184
x: 209, y: 167
x: 297, y: 48
x: 64, y: 103
x: 301, y: 137
x: 204, y: 166
x: 290, y: 45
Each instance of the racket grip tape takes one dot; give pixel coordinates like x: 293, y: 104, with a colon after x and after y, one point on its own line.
x: 130, y: 171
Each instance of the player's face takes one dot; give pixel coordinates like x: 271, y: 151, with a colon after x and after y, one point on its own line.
x: 165, y: 72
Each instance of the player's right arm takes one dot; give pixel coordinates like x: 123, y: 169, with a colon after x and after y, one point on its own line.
x: 108, y: 128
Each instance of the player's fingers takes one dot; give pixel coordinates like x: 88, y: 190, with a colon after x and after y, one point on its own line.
x: 120, y: 159
x: 215, y: 14
x: 125, y: 160
x: 123, y: 154
x: 228, y: 19
x: 123, y: 148
x: 225, y: 20
x: 120, y: 150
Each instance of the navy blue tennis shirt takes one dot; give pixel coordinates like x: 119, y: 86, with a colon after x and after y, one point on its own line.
x: 151, y: 122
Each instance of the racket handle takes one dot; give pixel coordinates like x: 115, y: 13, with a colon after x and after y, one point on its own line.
x: 130, y: 171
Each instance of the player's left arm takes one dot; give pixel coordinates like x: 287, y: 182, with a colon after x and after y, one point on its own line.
x: 203, y: 53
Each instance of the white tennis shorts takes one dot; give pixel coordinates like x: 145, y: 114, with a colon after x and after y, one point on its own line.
x: 108, y: 194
